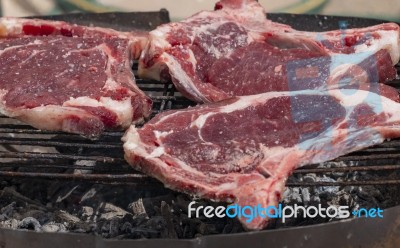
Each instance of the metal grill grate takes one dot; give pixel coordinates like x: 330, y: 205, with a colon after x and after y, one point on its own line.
x: 31, y: 153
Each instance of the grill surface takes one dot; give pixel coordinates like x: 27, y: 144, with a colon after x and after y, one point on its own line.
x: 28, y: 154
x: 31, y: 153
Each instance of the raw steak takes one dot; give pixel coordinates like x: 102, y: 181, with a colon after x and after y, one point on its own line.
x: 236, y: 51
x: 243, y: 149
x: 59, y: 76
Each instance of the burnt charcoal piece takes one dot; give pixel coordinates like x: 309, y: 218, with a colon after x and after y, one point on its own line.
x: 30, y: 224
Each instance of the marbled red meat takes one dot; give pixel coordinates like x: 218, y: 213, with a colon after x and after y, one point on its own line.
x: 59, y: 76
x: 235, y: 51
x: 243, y: 149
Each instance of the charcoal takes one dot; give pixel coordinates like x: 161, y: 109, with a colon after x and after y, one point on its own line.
x: 54, y: 227
x: 88, y: 195
x: 65, y: 196
x: 10, y: 224
x: 187, y: 231
x: 30, y: 224
x: 8, y: 210
x: 206, y: 229
x: 82, y: 227
x: 108, y: 211
x: 110, y: 229
x: 182, y: 202
x: 65, y: 217
x: 306, y: 195
x: 39, y: 215
x: 87, y: 213
x: 137, y: 207
x: 166, y: 211
x: 123, y: 212
x: 126, y: 227
x: 13, y: 195
x: 158, y: 224
x: 228, y: 228
x: 139, y: 220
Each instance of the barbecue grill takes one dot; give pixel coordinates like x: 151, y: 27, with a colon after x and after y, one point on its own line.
x: 27, y: 154
x: 111, y: 168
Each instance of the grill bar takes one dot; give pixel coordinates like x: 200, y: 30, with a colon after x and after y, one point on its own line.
x: 348, y: 169
x: 29, y: 155
x: 131, y: 179
x: 345, y: 183
x: 368, y: 157
x: 49, y: 143
x: 142, y: 180
x: 107, y: 165
x: 127, y: 169
x: 23, y: 129
x: 44, y: 166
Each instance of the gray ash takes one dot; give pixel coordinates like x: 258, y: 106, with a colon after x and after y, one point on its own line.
x: 355, y: 197
x: 124, y: 212
x: 108, y: 211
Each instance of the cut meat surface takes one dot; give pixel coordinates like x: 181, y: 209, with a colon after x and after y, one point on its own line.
x: 235, y: 51
x: 243, y: 149
x: 60, y: 76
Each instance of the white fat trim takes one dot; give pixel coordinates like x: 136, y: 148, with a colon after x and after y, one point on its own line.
x: 49, y: 117
x: 185, y: 167
x: 275, y: 153
x: 131, y: 139
x: 192, y: 59
x: 110, y: 83
x: 82, y: 101
x: 131, y: 146
x: 227, y: 186
x: 184, y: 80
x: 158, y: 39
x: 156, y: 153
x: 152, y: 72
x: 159, y: 134
x: 11, y: 25
x: 166, y: 117
x: 201, y: 120
x: 247, y: 101
x: 238, y: 105
x: 388, y: 40
x: 392, y: 108
x: 123, y: 109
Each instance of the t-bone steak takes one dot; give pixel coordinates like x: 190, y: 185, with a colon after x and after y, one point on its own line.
x: 243, y: 149
x: 235, y: 51
x: 59, y: 76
